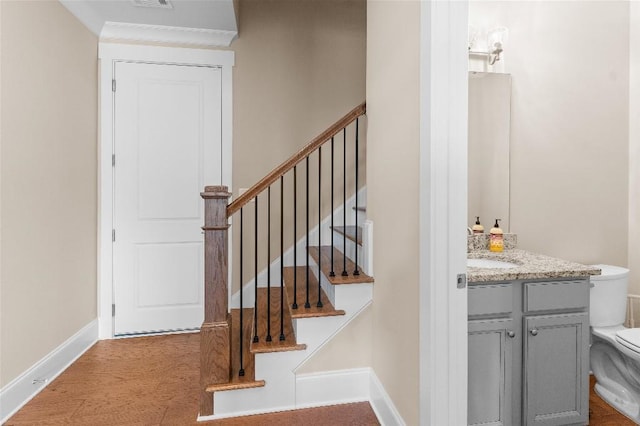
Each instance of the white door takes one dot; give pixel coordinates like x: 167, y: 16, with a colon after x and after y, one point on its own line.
x: 167, y: 147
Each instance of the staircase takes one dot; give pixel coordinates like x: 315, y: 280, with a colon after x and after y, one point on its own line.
x: 295, y: 301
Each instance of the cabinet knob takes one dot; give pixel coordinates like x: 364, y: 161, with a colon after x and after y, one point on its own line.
x: 511, y: 334
x: 534, y: 331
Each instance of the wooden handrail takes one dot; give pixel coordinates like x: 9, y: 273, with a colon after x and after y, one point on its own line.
x: 283, y: 168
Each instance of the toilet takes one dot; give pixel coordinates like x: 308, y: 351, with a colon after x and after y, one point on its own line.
x: 615, y: 349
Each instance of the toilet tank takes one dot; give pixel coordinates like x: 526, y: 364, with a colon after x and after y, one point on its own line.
x: 608, y: 296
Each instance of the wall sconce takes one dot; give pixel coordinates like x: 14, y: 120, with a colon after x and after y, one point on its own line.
x: 490, y: 45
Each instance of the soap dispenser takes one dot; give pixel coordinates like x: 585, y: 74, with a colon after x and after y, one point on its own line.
x: 478, y: 228
x: 496, y: 238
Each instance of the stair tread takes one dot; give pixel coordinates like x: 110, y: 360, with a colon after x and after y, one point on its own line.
x: 327, y: 308
x: 354, y: 233
x: 237, y: 381
x: 235, y: 385
x: 276, y: 345
x: 360, y: 208
x: 338, y: 266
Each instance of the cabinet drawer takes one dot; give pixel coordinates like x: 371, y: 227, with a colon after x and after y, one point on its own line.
x: 550, y: 295
x: 496, y: 299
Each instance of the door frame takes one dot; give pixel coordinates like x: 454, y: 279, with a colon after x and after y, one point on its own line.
x: 109, y: 54
x: 443, y: 208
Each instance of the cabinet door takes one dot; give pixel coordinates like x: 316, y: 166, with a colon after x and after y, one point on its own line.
x: 490, y: 358
x: 556, y: 368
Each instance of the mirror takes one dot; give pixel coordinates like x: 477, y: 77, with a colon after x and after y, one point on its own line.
x: 489, y: 129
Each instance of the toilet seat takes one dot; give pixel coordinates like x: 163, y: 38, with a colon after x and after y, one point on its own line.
x: 629, y: 338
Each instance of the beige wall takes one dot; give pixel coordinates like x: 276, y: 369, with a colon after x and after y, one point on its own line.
x: 569, y: 140
x: 634, y: 149
x: 48, y: 175
x: 393, y: 72
x: 299, y: 67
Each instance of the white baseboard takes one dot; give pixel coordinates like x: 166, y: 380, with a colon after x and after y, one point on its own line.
x: 382, y: 404
x: 24, y: 387
x: 347, y: 386
x: 332, y: 387
x: 243, y: 414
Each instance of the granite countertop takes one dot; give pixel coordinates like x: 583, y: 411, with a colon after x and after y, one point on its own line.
x: 530, y: 266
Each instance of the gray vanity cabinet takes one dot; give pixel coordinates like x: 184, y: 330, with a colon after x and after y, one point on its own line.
x: 490, y: 366
x: 556, y: 352
x: 529, y: 353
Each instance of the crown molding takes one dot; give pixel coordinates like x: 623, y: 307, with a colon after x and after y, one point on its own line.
x: 122, y: 31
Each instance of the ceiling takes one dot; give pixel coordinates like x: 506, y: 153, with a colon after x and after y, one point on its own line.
x: 201, y: 15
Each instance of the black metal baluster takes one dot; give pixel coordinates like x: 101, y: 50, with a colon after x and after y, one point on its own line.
x: 256, y: 339
x: 344, y: 201
x: 295, y: 236
x: 281, y: 258
x: 307, y: 304
x: 241, y: 372
x: 356, y: 271
x: 268, y: 264
x: 319, y: 304
x: 332, y: 273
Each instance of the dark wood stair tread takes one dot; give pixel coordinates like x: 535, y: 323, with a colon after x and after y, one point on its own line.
x: 248, y: 380
x: 360, y: 208
x: 275, y: 345
x: 327, y: 309
x: 354, y: 233
x: 338, y: 266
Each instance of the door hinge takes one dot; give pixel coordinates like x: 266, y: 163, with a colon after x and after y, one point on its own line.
x: 113, y: 235
x: 113, y: 309
x: 462, y: 280
x: 113, y: 85
x: 113, y: 160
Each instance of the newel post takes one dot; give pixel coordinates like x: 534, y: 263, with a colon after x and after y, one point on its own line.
x: 215, y: 333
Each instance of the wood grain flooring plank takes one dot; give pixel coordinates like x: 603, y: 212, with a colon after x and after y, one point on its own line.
x: 145, y: 398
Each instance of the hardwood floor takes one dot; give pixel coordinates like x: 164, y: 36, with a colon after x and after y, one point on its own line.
x: 152, y: 381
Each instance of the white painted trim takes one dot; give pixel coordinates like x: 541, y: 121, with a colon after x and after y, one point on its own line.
x: 332, y: 387
x: 22, y: 389
x: 443, y: 206
x: 367, y: 245
x: 243, y: 413
x: 344, y: 387
x: 382, y: 404
x: 165, y: 34
x: 109, y: 53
